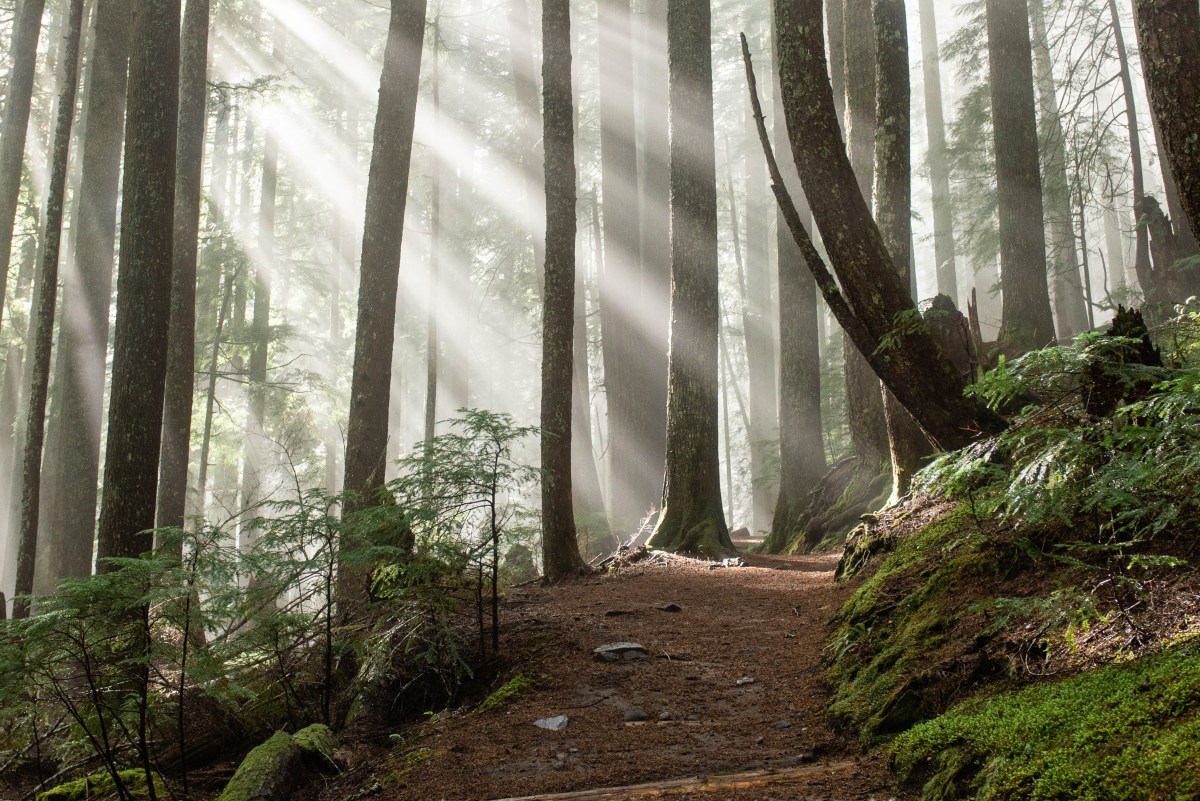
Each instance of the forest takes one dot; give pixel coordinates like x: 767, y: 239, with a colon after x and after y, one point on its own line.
x: 599, y: 399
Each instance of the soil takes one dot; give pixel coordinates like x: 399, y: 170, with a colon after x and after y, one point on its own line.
x: 765, y: 622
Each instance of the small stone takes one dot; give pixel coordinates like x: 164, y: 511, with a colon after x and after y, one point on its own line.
x: 669, y: 608
x: 744, y: 680
x: 665, y: 716
x: 617, y: 612
x: 556, y: 723
x: 574, y: 750
x: 783, y: 724
x: 616, y: 651
x: 784, y: 566
x: 636, y: 715
x: 735, y: 561
x: 759, y: 740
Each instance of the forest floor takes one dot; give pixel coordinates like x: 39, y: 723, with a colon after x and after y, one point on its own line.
x: 731, y: 689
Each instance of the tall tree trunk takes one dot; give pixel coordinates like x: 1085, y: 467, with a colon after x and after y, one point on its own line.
x: 692, y: 519
x: 632, y: 470
x: 383, y: 229
x: 872, y: 296
x: 937, y: 158
x: 44, y: 299
x: 801, y: 441
x: 591, y: 519
x: 1169, y: 38
x: 760, y: 324
x: 560, y: 550
x: 1026, y: 319
x: 143, y: 283
x: 86, y: 295
x: 27, y: 25
x: 655, y: 206
x: 1069, y: 304
x: 181, y: 353
x: 907, y: 444
x: 435, y: 245
x: 864, y: 402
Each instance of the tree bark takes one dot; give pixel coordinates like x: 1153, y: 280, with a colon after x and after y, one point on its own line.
x: 44, y: 298
x: 387, y: 191
x: 1169, y: 38
x: 143, y: 283
x: 77, y: 408
x: 1027, y: 322
x: 181, y: 358
x: 1070, y: 306
x: 907, y: 444
x: 873, y: 304
x: 435, y: 242
x: 1141, y: 259
x: 560, y: 550
x: 937, y: 158
x: 692, y: 520
x: 27, y: 25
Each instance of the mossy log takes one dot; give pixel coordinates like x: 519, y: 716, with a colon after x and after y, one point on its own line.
x: 268, y: 773
x: 317, y: 744
x: 101, y: 785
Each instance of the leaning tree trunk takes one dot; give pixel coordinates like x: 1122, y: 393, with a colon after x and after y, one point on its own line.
x: 1027, y: 322
x: 181, y: 361
x: 27, y: 25
x: 692, y: 519
x: 937, y: 158
x: 907, y: 445
x: 1070, y: 305
x: 77, y: 408
x: 143, y: 284
x: 872, y: 297
x: 560, y: 550
x: 1169, y: 38
x: 44, y: 298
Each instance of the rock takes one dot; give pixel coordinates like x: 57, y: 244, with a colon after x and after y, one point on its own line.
x: 744, y: 680
x: 783, y: 724
x: 665, y: 716
x: 617, y: 612
x: 317, y: 743
x: 617, y: 651
x: 268, y: 773
x: 783, y: 566
x: 735, y: 561
x: 635, y: 715
x: 556, y: 723
x: 669, y: 608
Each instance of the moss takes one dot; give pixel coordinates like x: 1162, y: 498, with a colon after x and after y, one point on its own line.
x: 317, y: 742
x: 1124, y: 731
x: 408, y: 763
x: 101, y: 785
x: 885, y: 648
x: 266, y: 768
x: 512, y: 689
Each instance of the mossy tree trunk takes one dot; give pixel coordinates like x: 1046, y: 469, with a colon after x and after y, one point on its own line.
x: 560, y: 550
x: 1027, y: 321
x: 692, y: 520
x: 181, y: 362
x: 907, y: 444
x: 143, y: 283
x: 873, y: 303
x: 1169, y: 37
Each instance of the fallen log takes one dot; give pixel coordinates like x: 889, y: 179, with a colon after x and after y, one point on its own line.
x: 695, y: 784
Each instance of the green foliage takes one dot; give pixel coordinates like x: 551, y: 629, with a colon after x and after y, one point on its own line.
x: 1125, y: 731
x: 1104, y: 445
x: 512, y: 689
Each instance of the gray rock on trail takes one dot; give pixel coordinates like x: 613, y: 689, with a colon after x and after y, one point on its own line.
x: 620, y: 651
x: 744, y: 680
x: 556, y: 723
x: 636, y: 715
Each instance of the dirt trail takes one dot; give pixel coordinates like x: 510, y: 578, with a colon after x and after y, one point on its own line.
x: 765, y: 623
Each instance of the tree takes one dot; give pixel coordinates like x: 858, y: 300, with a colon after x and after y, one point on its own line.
x: 45, y: 296
x: 87, y: 293
x: 692, y: 519
x: 1168, y: 34
x: 387, y: 192
x: 873, y: 304
x: 143, y: 283
x: 1026, y: 319
x: 560, y: 551
x: 936, y: 158
x: 907, y: 445
x: 181, y: 361
x: 26, y: 26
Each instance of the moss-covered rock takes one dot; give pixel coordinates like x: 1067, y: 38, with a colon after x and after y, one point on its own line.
x: 101, y: 785
x: 268, y: 772
x: 317, y: 744
x: 1122, y: 732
